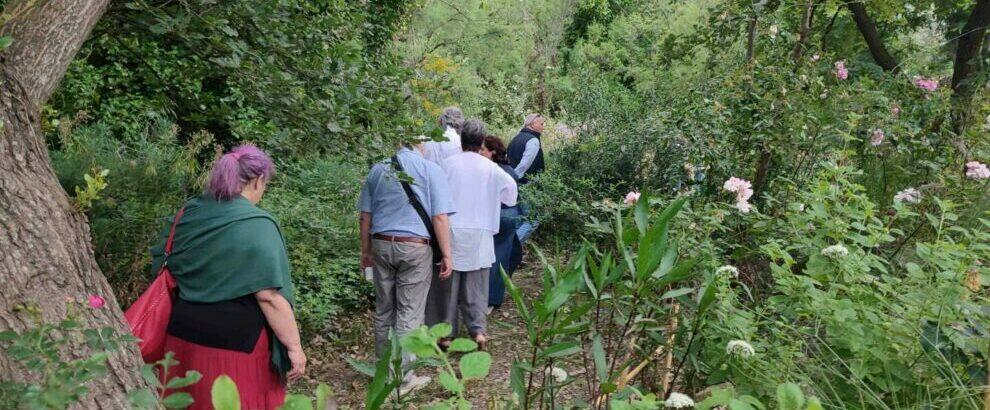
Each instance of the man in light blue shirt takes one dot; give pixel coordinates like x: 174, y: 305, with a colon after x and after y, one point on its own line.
x: 396, y: 243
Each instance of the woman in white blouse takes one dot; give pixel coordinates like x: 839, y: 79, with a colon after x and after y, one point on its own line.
x: 478, y: 186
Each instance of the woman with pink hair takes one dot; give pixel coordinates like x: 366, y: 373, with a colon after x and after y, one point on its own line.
x: 233, y: 314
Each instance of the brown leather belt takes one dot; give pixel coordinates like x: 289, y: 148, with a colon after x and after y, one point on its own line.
x: 408, y: 239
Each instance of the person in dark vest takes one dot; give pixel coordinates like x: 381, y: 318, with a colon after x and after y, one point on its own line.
x: 525, y: 152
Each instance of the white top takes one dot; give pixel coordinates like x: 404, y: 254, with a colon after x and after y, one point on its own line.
x: 479, y: 186
x: 437, y: 151
x: 528, y: 156
x: 472, y: 249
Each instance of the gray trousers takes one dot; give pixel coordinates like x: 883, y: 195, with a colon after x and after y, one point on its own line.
x: 402, y: 281
x: 464, y: 291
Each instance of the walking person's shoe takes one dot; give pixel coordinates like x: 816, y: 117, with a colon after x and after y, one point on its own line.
x: 412, y: 382
x: 481, y: 339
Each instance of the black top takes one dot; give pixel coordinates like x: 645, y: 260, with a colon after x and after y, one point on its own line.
x: 231, y: 325
x: 516, y: 149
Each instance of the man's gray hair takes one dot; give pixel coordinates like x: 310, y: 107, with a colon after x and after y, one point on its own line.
x: 452, y: 117
x: 531, y: 118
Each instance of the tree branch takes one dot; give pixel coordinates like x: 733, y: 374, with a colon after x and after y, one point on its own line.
x: 47, y: 35
x: 868, y: 28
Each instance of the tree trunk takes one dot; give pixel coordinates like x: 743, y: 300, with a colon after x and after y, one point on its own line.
x: 47, y: 256
x: 967, y: 62
x: 869, y: 30
x: 805, y: 30
x: 751, y: 39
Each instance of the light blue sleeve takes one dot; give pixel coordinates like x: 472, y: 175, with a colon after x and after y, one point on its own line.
x: 441, y: 200
x: 529, y: 155
x: 364, y: 201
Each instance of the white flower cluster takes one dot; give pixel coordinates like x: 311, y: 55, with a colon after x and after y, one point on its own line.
x: 728, y: 271
x: 910, y: 195
x: 740, y: 348
x: 678, y: 401
x: 835, y: 251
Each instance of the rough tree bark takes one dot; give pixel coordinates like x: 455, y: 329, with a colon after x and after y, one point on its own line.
x: 47, y: 257
x: 967, y: 62
x: 869, y: 31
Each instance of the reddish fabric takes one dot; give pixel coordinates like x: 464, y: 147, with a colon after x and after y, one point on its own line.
x: 149, y: 315
x: 259, y: 386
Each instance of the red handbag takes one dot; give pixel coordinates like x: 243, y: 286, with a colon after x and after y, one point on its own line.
x: 149, y: 315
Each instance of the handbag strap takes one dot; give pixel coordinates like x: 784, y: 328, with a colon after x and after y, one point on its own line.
x: 171, y: 236
x: 418, y: 206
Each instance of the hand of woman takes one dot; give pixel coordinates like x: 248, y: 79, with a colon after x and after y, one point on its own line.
x: 298, y: 359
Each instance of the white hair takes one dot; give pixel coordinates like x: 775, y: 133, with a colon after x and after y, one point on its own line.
x: 452, y: 117
x: 531, y: 118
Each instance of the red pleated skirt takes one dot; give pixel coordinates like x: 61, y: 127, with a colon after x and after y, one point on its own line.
x: 259, y: 386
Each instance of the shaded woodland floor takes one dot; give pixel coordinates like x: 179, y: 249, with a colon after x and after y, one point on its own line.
x: 327, y: 359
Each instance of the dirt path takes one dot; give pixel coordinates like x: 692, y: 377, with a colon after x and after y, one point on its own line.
x: 327, y: 362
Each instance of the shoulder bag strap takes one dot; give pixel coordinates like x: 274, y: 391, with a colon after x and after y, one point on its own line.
x: 171, y: 237
x: 418, y: 206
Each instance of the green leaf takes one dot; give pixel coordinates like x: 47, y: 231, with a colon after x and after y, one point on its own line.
x: 5, y: 41
x: 297, y: 402
x: 641, y: 212
x: 736, y: 404
x: 814, y: 404
x: 191, y: 378
x: 475, y: 365
x: 517, y: 381
x: 420, y: 342
x: 789, y: 397
x: 365, y: 368
x: 561, y: 349
x: 598, y: 353
x: 178, y: 401
x: 450, y: 382
x: 143, y: 399
x: 378, y: 389
x: 682, y: 271
x: 462, y: 345
x: 323, y: 395
x: 706, y: 299
x: 676, y: 292
x: 441, y: 330
x: 149, y: 375
x: 224, y: 394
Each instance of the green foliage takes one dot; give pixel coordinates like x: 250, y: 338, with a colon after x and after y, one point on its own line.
x: 163, y: 395
x: 55, y: 382
x: 224, y: 396
x: 890, y: 320
x: 422, y: 342
x: 96, y: 182
x: 628, y: 286
x: 151, y: 177
x: 293, y: 76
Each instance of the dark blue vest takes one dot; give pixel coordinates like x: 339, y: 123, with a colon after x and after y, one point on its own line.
x: 516, y: 149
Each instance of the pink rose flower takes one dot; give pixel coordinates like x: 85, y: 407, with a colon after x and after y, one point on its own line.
x: 96, y: 301
x: 977, y: 170
x: 840, y: 70
x: 631, y: 198
x: 926, y: 84
x: 877, y: 137
x: 743, y: 190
